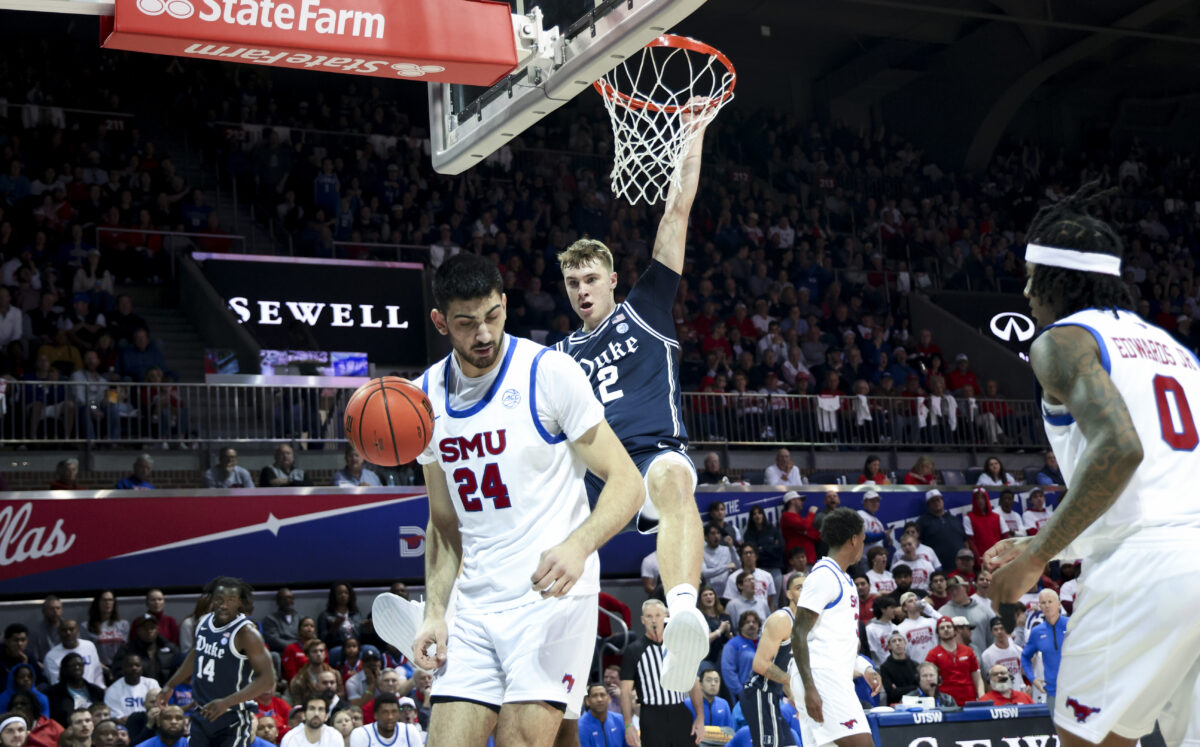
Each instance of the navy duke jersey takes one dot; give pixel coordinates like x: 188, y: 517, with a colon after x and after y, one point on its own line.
x: 632, y: 362
x: 220, y: 669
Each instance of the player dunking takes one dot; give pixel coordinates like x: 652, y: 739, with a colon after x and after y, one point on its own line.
x: 761, y: 695
x: 825, y: 638
x: 515, y: 429
x: 1115, y: 396
x: 229, y: 668
x: 630, y: 355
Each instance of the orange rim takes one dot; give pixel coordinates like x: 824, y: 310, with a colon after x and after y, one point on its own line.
x: 676, y: 42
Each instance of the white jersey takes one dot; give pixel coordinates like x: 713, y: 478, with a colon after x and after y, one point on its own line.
x: 921, y: 635
x: 881, y: 583
x: 405, y: 735
x: 878, y: 632
x: 921, y: 569
x: 1010, y: 657
x: 833, y: 640
x: 298, y: 737
x: 1154, y: 375
x: 516, y: 484
x: 1011, y: 522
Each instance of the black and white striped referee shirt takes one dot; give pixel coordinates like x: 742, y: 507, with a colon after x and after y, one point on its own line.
x: 643, y: 663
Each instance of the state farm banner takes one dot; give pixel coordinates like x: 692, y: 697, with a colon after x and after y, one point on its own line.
x: 80, y: 541
x: 447, y: 41
x: 377, y: 308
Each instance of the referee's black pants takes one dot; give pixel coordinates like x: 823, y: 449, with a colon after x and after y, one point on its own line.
x: 667, y: 726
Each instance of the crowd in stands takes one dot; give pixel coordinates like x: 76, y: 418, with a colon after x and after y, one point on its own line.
x: 69, y: 678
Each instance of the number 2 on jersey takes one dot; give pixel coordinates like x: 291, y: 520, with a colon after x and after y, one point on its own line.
x: 607, y: 377
x: 1167, y: 388
x: 205, y: 667
x: 492, y: 488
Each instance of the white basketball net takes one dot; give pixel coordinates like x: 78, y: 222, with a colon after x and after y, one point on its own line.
x: 644, y: 96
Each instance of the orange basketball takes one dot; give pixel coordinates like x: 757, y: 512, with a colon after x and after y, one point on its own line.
x: 389, y: 421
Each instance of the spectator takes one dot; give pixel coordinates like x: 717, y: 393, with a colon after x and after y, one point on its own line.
x: 313, y: 732
x: 1046, y: 639
x: 881, y: 627
x: 279, y: 627
x: 877, y: 534
x: 919, y: 569
x: 928, y: 675
x: 1003, y: 653
x: 1002, y: 692
x: 956, y: 664
x: 877, y: 573
x: 66, y: 475
x: 227, y: 473
x: 44, y: 635
x: 315, y: 676
x: 274, y: 710
x: 12, y: 320
x: 294, y: 656
x: 354, y: 474
x: 983, y: 586
x: 47, y: 401
x: 84, y: 324
x: 943, y: 531
x: 43, y: 730
x: 14, y: 654
x: 612, y: 683
x: 712, y: 474
x: 921, y: 473
x: 651, y: 582
x: 187, y: 628
x: 977, y: 615
x: 994, y: 476
x: 719, y: 559
x: 1011, y: 522
x: 127, y: 694
x: 782, y: 471
x: 124, y: 322
x: 938, y: 592
x: 716, y: 516
x: 343, y: 724
x: 360, y: 686
x: 283, y: 472
x: 135, y: 360
x: 72, y: 691
x: 68, y: 631
x: 1037, y: 513
x: 982, y: 525
x: 737, y: 658
x: 156, y: 605
x: 22, y: 678
x: 340, y: 621
x: 598, y: 726
x: 664, y: 718
x: 140, y: 479
x: 767, y: 541
x: 159, y: 656
x: 745, y: 600
x: 393, y: 683
x: 99, y: 410
x: 105, y: 627
x: 266, y: 729
x: 764, y: 584
x: 1050, y: 475
x: 832, y: 502
x: 961, y: 377
x: 898, y: 671
x: 720, y: 625
x: 797, y: 527
x: 872, y: 473
x: 716, y: 708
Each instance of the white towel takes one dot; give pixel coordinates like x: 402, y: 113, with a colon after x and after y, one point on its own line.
x: 827, y: 409
x: 862, y: 413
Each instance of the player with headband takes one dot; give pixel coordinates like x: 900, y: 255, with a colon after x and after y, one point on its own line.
x: 1114, y: 393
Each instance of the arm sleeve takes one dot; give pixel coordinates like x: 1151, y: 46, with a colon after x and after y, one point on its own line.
x: 819, y: 590
x: 565, y: 401
x: 653, y: 297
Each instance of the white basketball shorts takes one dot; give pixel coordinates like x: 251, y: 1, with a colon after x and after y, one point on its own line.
x: 1132, y: 650
x: 539, y: 651
x: 842, y: 712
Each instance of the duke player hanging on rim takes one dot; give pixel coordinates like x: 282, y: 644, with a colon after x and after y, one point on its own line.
x: 1120, y: 398
x: 631, y: 357
x: 229, y: 668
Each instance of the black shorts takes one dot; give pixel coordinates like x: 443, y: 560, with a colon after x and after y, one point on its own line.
x: 234, y: 729
x: 765, y: 719
x: 667, y: 726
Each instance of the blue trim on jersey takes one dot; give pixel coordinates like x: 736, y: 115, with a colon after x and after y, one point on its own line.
x: 537, y: 423
x: 1057, y: 420
x: 1104, y: 359
x: 395, y: 737
x: 841, y: 587
x: 491, y: 392
x: 425, y: 381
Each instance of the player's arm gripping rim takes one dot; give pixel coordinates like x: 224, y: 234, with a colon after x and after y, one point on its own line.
x: 443, y: 556
x: 805, y: 620
x: 1066, y: 361
x: 671, y: 240
x: 623, y: 493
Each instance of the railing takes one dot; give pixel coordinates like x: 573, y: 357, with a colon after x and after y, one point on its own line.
x: 127, y: 412
x: 381, y: 251
x: 157, y: 252
x: 868, y: 422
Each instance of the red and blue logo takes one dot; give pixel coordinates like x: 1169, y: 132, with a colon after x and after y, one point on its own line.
x: 1082, y: 712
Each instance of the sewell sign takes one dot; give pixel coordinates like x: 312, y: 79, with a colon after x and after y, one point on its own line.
x: 451, y: 41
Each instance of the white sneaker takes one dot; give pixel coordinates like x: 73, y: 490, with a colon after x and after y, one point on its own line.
x: 686, y: 642
x: 397, y: 620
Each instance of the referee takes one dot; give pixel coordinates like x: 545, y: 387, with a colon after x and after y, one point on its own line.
x: 665, y: 720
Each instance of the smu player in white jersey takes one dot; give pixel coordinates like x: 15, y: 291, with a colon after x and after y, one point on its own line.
x: 515, y: 428
x: 631, y: 356
x: 1115, y: 396
x: 825, y: 638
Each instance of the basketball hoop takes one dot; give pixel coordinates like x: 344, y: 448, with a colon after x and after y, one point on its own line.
x: 645, y: 96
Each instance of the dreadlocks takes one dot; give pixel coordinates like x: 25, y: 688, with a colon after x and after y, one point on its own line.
x: 1069, y: 224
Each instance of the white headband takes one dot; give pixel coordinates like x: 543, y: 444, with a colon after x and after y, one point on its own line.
x: 12, y: 720
x: 1070, y: 259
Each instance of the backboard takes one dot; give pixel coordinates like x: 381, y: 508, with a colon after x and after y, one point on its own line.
x: 563, y: 47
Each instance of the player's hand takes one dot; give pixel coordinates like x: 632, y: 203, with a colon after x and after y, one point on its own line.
x: 164, y: 697
x: 1017, y: 577
x: 432, y: 632
x: 787, y: 691
x: 698, y: 729
x: 559, y: 569
x: 812, y: 705
x: 694, y: 109
x: 874, y: 680
x: 1004, y: 552
x: 213, y: 710
x: 632, y: 737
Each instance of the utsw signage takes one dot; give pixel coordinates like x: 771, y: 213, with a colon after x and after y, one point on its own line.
x: 451, y: 41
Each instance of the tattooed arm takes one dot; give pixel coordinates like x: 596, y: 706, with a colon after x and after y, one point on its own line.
x: 671, y: 240
x: 805, y: 620
x: 1066, y: 361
